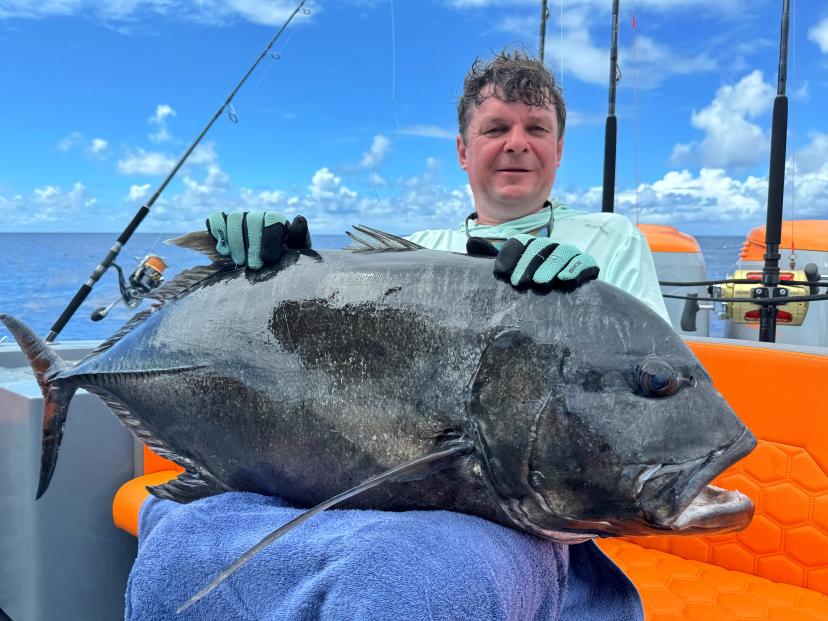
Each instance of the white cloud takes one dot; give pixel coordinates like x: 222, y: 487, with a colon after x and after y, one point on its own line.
x: 713, y: 196
x: 93, y: 149
x: 70, y: 142
x: 730, y: 138
x: 159, y: 120
x: 271, y: 13
x: 141, y: 162
x: 325, y: 185
x: 814, y: 156
x: 819, y: 35
x: 580, y: 56
x: 376, y: 155
x: 98, y: 147
x: 429, y: 131
x: 138, y: 192
x: 47, y: 204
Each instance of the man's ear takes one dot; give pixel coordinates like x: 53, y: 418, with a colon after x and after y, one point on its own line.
x: 461, y: 152
x: 560, y: 151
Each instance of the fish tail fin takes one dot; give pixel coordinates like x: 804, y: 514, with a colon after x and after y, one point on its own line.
x: 46, y: 364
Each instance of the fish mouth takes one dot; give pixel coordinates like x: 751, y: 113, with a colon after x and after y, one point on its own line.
x: 679, y: 498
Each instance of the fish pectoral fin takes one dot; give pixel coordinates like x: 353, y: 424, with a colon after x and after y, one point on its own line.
x: 434, y: 461
x: 187, y: 487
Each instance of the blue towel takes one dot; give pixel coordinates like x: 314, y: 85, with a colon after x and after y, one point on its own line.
x: 356, y: 565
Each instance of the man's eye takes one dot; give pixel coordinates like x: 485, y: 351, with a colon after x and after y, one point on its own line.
x: 494, y: 131
x: 538, y: 129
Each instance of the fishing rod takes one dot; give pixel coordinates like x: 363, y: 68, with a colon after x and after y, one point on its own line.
x: 611, y: 132
x: 776, y: 186
x: 110, y: 257
x: 544, y: 19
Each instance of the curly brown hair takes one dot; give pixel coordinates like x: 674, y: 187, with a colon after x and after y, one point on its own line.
x: 515, y: 76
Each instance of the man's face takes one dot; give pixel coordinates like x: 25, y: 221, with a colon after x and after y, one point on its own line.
x: 511, y: 155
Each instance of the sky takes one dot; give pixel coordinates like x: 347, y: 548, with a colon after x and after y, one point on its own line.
x: 353, y: 120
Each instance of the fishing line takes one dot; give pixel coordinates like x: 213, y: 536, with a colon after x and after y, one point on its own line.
x: 562, y: 46
x: 274, y: 57
x: 792, y: 257
x: 637, y: 115
x: 394, y: 67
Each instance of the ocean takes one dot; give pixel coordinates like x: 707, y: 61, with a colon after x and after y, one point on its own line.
x: 42, y: 271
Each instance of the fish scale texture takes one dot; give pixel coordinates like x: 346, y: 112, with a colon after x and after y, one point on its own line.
x: 787, y: 541
x: 676, y: 589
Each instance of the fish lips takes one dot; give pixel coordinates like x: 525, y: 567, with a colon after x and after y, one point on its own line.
x: 679, y: 498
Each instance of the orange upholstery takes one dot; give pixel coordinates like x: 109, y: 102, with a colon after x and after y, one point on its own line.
x: 132, y: 494
x: 780, y: 562
x: 154, y: 463
x: 663, y: 238
x: 785, y: 476
x: 788, y: 538
x: 674, y: 589
x: 804, y: 234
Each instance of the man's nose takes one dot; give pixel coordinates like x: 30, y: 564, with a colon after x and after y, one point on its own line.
x: 516, y: 141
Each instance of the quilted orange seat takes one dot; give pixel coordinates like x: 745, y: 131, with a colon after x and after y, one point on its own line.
x: 676, y: 589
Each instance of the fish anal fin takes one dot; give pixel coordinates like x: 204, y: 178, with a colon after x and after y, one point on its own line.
x: 187, y: 487
x: 436, y: 460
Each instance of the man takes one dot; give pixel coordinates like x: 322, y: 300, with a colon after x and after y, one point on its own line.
x: 511, y: 120
x: 429, y: 564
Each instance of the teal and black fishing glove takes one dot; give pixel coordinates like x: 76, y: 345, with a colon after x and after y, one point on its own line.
x: 257, y: 238
x: 539, y: 262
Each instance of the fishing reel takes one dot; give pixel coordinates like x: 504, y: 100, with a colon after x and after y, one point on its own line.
x: 147, y: 276
x: 787, y: 313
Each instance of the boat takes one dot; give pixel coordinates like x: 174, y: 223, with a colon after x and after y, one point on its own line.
x: 776, y: 569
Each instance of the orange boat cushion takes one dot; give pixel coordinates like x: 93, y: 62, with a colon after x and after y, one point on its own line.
x: 665, y: 238
x: 128, y: 499
x: 675, y: 589
x: 785, y: 476
x: 155, y: 463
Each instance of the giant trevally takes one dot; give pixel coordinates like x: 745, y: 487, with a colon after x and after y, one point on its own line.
x: 570, y: 415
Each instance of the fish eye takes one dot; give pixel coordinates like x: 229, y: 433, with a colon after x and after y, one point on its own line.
x: 656, y: 378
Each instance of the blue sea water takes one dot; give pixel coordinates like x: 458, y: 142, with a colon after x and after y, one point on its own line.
x: 42, y: 271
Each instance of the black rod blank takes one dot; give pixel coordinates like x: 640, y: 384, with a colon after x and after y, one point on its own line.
x: 611, y: 133
x: 544, y: 18
x: 776, y: 184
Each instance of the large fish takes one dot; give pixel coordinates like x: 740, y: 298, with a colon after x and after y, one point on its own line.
x: 570, y: 415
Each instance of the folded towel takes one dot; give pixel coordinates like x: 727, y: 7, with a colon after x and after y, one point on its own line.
x: 354, y: 565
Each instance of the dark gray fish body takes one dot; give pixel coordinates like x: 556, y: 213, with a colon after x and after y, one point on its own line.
x: 303, y: 380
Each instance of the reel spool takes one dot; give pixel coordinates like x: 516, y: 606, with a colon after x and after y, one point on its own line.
x: 787, y: 313
x: 147, y: 276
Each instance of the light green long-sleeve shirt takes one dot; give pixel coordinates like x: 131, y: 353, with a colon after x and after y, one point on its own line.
x: 618, y: 247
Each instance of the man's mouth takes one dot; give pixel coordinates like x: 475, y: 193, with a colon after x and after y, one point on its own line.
x: 513, y: 170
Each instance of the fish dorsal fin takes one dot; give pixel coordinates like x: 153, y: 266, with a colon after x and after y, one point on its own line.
x: 434, y: 461
x: 377, y: 241
x: 200, y: 241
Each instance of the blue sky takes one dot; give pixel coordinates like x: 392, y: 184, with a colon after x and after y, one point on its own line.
x: 355, y: 121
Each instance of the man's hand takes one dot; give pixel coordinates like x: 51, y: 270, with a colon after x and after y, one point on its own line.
x: 542, y: 263
x: 257, y: 238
